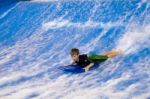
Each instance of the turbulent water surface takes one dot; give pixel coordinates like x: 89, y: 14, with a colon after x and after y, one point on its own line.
x: 36, y: 38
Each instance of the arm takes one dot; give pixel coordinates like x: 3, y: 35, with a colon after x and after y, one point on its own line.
x: 73, y: 63
x: 88, y: 66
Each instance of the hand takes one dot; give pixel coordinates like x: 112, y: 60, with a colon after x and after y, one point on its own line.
x: 86, y: 69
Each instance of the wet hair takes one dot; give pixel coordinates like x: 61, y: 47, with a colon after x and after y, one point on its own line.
x: 74, y: 51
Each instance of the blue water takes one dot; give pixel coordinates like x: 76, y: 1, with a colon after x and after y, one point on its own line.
x: 36, y: 38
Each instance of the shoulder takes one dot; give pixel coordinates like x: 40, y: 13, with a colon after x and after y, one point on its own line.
x: 83, y: 56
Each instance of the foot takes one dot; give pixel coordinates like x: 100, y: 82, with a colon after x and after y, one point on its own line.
x: 114, y: 53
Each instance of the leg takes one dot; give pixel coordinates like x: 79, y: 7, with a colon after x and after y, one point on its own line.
x: 113, y: 53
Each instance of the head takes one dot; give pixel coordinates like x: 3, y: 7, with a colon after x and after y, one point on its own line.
x: 74, y: 54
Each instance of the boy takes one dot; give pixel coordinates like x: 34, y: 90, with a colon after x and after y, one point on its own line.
x: 87, y: 61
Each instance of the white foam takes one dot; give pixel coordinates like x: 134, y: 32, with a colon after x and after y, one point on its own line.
x: 60, y: 23
x: 44, y: 0
x: 106, y: 90
x: 131, y: 40
x: 57, y: 0
x: 69, y: 87
x: 54, y: 24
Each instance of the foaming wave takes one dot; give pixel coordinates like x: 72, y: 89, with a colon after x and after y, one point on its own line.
x: 72, y: 87
x: 66, y: 23
x: 56, y: 0
x: 132, y: 40
x: 54, y: 24
x: 92, y: 93
x: 44, y: 0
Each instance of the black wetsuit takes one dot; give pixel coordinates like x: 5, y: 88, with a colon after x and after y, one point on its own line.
x: 83, y: 61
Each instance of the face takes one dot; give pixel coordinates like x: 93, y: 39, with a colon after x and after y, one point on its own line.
x: 75, y: 57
